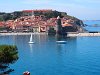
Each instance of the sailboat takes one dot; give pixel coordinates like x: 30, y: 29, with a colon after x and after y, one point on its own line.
x: 31, y: 41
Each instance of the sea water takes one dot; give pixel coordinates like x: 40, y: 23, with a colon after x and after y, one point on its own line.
x: 79, y: 56
x: 90, y: 26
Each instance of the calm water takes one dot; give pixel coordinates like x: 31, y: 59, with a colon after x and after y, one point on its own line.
x: 89, y: 23
x: 79, y: 56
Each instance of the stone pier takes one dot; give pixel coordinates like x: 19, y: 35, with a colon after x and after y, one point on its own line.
x: 68, y: 34
x: 82, y: 34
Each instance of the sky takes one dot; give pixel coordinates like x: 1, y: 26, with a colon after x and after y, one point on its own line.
x: 82, y: 9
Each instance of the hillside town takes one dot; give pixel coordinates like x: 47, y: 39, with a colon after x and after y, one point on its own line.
x: 29, y: 22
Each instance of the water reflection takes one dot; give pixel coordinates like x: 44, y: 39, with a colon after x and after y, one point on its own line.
x: 3, y: 41
x: 42, y: 38
x: 14, y: 39
x: 61, y: 49
x: 46, y: 57
x: 61, y: 38
x: 69, y: 48
x: 31, y: 48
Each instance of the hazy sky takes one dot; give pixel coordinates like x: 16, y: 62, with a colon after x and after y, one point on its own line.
x: 82, y: 9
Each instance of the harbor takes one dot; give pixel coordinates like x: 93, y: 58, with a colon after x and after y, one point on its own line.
x: 50, y: 37
x: 80, y: 55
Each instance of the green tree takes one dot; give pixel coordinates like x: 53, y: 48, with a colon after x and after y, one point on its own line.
x: 1, y: 18
x: 51, y: 31
x: 8, y: 16
x: 8, y: 55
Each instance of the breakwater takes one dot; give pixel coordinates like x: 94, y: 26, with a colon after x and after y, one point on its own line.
x: 4, y: 34
x: 68, y: 34
x: 82, y: 34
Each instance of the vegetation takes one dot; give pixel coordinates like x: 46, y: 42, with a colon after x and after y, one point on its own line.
x: 1, y: 18
x: 17, y: 14
x: 8, y: 55
x: 51, y: 31
x: 7, y: 16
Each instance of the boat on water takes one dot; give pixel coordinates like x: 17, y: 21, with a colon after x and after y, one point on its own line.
x: 61, y: 42
x: 26, y: 73
x: 31, y: 40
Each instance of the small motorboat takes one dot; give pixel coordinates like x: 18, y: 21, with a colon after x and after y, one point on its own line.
x: 26, y: 73
x: 61, y: 42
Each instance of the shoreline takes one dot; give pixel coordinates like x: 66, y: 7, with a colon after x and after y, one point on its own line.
x: 68, y: 34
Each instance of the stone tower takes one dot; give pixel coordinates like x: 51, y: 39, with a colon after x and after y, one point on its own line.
x: 59, y: 26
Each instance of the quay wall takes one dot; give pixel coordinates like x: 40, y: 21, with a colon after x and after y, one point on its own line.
x: 68, y: 34
x: 4, y: 34
x: 82, y: 34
